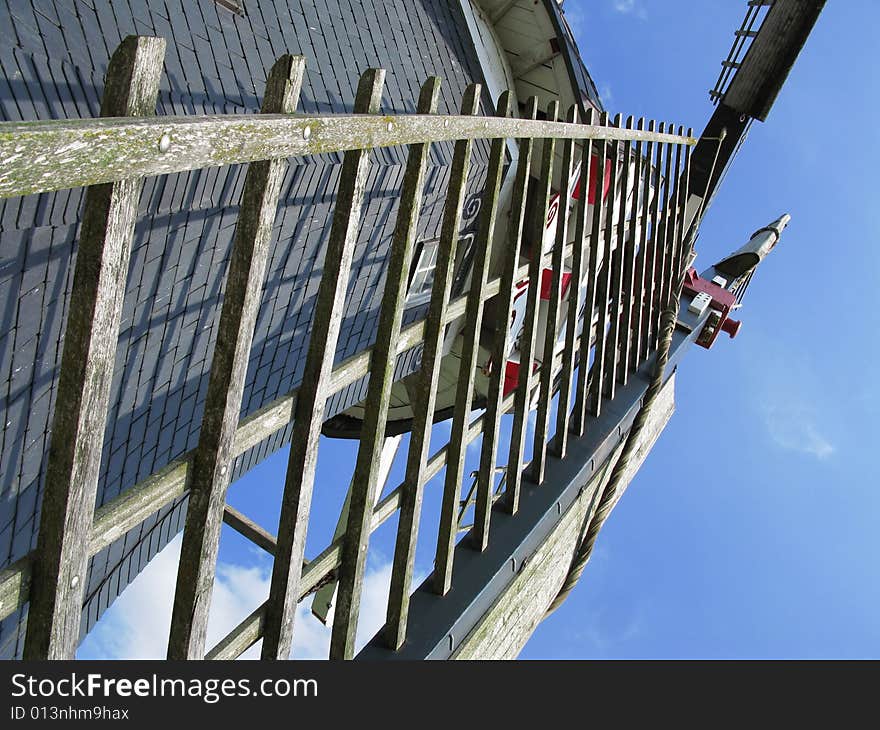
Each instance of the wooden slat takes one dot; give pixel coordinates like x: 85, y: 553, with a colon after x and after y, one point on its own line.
x: 367, y: 465
x: 663, y: 241
x: 115, y: 518
x: 212, y: 461
x: 651, y: 278
x: 422, y: 388
x: 603, y: 290
x: 680, y: 261
x: 581, y: 400
x: 545, y: 393
x: 82, y: 402
x: 672, y: 234
x: 523, y: 397
x: 580, y: 255
x: 500, y: 337
x: 631, y: 286
x: 51, y: 155
x: 311, y: 398
x: 470, y: 335
x: 249, y: 631
x: 645, y: 166
x: 246, y: 527
x: 616, y: 281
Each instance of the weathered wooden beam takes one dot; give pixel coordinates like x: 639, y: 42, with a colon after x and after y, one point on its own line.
x: 547, y: 376
x: 573, y: 315
x: 246, y: 527
x: 115, y: 518
x: 681, y: 243
x: 646, y: 153
x: 52, y: 155
x: 622, y: 252
x: 581, y: 400
x: 311, y: 398
x: 603, y: 289
x: 651, y: 281
x: 507, y: 625
x: 500, y: 340
x: 660, y: 293
x: 422, y: 388
x: 633, y: 295
x: 315, y: 572
x: 59, y: 572
x: 367, y: 464
x: 527, y: 344
x: 212, y: 461
x: 470, y: 348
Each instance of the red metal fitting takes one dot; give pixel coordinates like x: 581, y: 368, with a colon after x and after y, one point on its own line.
x: 731, y: 327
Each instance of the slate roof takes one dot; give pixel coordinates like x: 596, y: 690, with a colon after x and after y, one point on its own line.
x: 53, y: 55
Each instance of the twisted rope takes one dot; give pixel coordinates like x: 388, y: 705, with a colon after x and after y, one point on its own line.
x: 668, y: 319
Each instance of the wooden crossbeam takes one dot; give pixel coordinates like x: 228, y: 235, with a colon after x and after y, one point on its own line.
x: 470, y: 347
x: 547, y: 376
x: 500, y: 337
x: 632, y: 285
x: 575, y: 301
x: 82, y: 401
x: 527, y: 343
x: 367, y: 464
x: 213, y: 457
x: 582, y: 394
x: 422, y: 388
x: 311, y: 400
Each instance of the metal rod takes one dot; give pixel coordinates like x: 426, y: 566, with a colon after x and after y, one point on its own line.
x: 83, y: 398
x: 311, y: 399
x: 470, y: 335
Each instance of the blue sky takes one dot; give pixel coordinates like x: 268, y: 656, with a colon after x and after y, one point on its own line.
x: 751, y: 529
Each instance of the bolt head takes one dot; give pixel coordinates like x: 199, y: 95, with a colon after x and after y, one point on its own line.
x: 165, y: 142
x: 74, y: 582
x: 390, y: 126
x: 307, y: 132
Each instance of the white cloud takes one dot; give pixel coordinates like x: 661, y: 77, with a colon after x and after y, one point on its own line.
x: 630, y: 7
x: 136, y: 625
x: 792, y: 426
x: 789, y: 397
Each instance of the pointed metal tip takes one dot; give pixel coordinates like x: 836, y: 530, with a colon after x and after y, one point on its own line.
x: 780, y: 223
